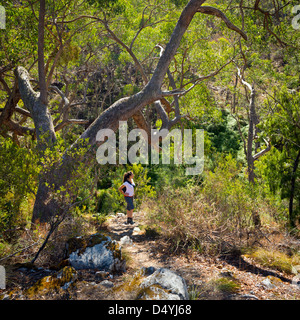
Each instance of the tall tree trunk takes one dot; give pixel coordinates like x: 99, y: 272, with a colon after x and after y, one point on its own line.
x: 248, y: 146
x: 252, y: 122
x: 41, y: 57
x: 37, y: 104
x: 44, y: 131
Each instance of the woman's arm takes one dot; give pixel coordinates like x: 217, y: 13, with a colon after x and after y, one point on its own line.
x: 132, y: 182
x: 121, y: 190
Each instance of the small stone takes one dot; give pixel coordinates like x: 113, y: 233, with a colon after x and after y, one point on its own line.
x: 226, y: 273
x: 102, y: 274
x: 125, y: 241
x: 249, y: 297
x: 149, y: 271
x: 96, y: 251
x: 137, y: 231
x: 266, y: 283
x: 63, y: 279
x: 167, y: 282
x: 106, y: 284
x: 120, y: 214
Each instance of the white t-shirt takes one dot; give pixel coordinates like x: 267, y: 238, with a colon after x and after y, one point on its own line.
x: 129, y: 188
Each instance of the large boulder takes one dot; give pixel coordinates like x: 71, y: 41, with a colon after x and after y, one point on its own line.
x: 163, y: 284
x: 56, y: 283
x: 97, y: 251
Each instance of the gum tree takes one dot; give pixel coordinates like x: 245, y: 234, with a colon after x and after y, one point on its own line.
x: 281, y: 167
x: 35, y: 100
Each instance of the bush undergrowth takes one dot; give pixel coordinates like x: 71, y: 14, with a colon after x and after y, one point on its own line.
x: 277, y: 260
x: 214, y: 218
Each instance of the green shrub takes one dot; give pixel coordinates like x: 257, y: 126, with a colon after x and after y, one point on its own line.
x: 275, y: 260
x: 107, y: 201
x: 214, y: 218
x: 18, y: 182
x: 230, y: 193
x: 226, y: 285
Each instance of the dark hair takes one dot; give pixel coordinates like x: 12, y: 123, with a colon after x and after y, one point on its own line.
x: 127, y: 175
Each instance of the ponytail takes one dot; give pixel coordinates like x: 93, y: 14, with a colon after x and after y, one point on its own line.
x: 127, y: 175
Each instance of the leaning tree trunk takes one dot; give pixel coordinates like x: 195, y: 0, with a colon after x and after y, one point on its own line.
x: 45, y: 204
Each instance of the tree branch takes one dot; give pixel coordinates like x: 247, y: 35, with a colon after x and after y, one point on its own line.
x: 23, y: 112
x: 18, y: 129
x: 70, y: 121
x: 38, y: 110
x: 145, y: 24
x: 55, y: 61
x: 130, y: 52
x: 218, y: 13
x: 262, y: 152
x: 10, y: 105
x: 183, y: 23
x: 196, y: 82
x: 243, y: 81
x: 57, y: 90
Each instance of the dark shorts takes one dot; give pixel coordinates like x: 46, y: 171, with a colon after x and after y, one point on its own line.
x: 129, y: 201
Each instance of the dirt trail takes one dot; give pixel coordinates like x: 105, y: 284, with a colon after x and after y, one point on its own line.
x: 245, y: 280
x: 206, y: 277
x: 141, y: 251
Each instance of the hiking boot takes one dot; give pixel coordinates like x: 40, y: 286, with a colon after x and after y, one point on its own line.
x: 129, y: 221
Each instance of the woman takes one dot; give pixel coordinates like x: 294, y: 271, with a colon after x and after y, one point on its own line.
x: 127, y: 189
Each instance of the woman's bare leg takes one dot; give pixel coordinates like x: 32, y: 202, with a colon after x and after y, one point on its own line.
x: 129, y: 213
